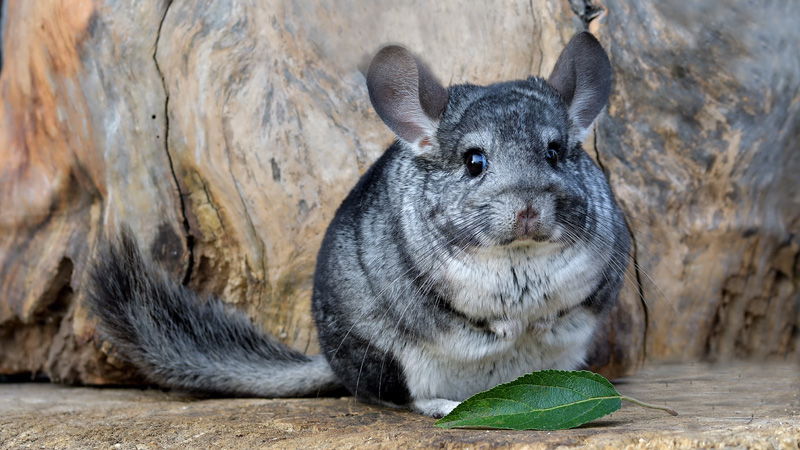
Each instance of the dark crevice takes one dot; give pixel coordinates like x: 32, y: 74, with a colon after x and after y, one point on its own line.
x: 635, y: 252
x: 596, y: 152
x: 639, y: 287
x: 586, y: 10
x: 57, y: 295
x: 186, y: 228
x: 25, y: 377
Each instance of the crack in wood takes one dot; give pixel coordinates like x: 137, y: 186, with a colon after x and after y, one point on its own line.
x: 634, y: 252
x: 586, y: 10
x: 186, y: 227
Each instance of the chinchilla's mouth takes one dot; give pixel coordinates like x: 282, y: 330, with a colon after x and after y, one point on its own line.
x: 534, y: 231
x: 522, y: 239
x: 517, y: 235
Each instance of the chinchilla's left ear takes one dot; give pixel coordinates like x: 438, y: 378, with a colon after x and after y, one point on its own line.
x: 406, y: 96
x: 582, y: 76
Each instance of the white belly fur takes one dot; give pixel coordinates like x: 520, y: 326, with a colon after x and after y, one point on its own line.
x: 461, y: 365
x: 466, y: 361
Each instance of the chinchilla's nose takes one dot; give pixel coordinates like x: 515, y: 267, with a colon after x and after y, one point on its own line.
x: 527, y: 221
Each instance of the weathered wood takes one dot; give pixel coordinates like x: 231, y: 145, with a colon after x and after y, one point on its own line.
x: 80, y: 146
x: 701, y: 144
x: 227, y: 132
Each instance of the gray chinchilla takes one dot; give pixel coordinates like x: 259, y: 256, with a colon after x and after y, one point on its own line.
x: 483, y: 245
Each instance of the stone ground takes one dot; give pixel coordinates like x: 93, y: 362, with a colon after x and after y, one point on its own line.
x: 750, y: 406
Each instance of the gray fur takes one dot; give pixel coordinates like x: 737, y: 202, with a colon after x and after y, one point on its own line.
x: 431, y: 284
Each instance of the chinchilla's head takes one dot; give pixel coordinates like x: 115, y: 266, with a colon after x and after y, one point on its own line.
x: 502, y: 163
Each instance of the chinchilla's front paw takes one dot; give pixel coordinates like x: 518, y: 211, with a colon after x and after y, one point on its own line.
x: 541, y: 326
x: 506, y: 329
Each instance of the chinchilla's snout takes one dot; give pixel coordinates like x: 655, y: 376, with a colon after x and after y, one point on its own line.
x: 525, y: 216
x: 535, y: 221
x: 528, y: 224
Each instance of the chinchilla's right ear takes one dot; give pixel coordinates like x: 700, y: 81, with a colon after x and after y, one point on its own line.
x: 582, y: 76
x: 406, y: 96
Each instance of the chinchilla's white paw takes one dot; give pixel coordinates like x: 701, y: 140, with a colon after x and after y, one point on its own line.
x: 506, y: 329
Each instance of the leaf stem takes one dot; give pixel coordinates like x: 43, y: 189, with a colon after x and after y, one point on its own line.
x: 648, y: 405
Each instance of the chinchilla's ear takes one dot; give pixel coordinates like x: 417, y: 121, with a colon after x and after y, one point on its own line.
x: 582, y: 76
x: 406, y: 96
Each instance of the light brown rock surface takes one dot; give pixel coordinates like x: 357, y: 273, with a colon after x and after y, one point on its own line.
x: 742, y: 406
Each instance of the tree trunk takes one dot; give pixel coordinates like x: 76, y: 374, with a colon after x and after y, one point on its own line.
x: 226, y: 133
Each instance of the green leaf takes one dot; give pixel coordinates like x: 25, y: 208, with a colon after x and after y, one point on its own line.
x: 545, y: 400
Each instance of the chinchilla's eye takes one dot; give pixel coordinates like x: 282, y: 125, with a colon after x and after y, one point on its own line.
x: 552, y: 152
x: 475, y: 161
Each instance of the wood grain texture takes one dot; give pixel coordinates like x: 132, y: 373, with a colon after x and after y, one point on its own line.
x: 226, y: 132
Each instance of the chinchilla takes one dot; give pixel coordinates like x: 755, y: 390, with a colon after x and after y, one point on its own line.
x: 484, y: 244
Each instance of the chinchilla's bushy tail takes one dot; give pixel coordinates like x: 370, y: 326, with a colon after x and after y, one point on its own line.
x: 178, y: 340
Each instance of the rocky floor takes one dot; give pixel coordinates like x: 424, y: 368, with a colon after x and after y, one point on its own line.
x: 750, y: 406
